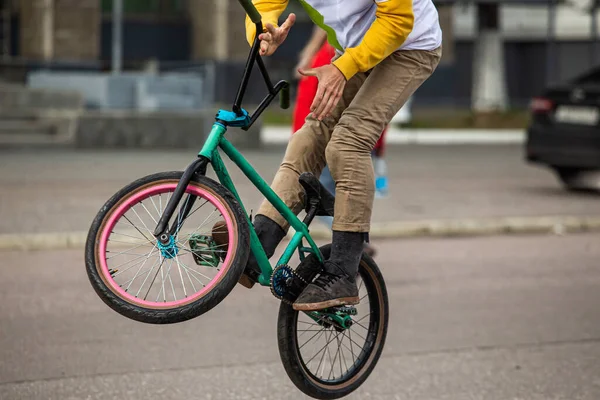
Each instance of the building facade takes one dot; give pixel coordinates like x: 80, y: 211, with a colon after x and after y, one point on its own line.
x: 177, y: 33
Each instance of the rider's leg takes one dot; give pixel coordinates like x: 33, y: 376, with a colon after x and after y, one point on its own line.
x: 329, y: 184
x: 305, y: 153
x: 348, y: 153
x: 269, y: 234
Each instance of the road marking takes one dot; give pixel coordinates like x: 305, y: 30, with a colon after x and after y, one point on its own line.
x: 556, y: 225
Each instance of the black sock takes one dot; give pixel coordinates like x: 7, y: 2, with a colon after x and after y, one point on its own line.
x: 269, y: 233
x: 346, y: 252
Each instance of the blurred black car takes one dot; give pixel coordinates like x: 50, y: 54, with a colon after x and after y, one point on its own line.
x: 564, y: 133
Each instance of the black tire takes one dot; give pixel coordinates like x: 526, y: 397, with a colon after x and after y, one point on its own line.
x: 289, y: 352
x: 187, y: 311
x: 576, y: 179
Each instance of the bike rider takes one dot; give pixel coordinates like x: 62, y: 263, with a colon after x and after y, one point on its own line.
x: 385, y: 49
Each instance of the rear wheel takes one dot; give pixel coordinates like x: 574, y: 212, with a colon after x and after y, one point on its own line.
x: 330, y: 354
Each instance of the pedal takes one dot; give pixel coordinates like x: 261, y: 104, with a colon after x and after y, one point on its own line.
x: 204, y: 250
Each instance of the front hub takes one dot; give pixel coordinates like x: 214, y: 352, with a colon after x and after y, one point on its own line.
x: 168, y: 250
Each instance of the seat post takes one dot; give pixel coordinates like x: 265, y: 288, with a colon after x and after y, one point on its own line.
x: 312, y: 211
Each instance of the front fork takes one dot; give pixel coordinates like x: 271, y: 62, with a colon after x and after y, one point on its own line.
x: 162, y: 232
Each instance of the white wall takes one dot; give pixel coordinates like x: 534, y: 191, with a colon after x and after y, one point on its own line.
x: 523, y: 22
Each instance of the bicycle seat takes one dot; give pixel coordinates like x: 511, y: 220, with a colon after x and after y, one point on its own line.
x: 315, y: 190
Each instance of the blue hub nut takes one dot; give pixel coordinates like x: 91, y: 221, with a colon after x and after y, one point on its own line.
x: 170, y: 249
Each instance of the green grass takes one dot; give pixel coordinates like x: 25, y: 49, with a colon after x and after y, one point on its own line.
x: 434, y: 119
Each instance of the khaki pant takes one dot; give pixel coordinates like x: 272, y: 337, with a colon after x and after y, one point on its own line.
x: 345, y: 139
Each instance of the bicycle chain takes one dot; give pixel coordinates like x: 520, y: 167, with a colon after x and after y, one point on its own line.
x: 276, y: 275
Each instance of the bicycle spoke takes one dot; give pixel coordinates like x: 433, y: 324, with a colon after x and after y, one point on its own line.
x: 329, y: 354
x: 147, y: 276
x: 190, y: 278
x: 136, y: 228
x: 153, y: 279
x: 158, y: 213
x: 142, y: 203
x: 334, y: 358
x: 359, y: 335
x: 141, y: 266
x: 341, y: 343
x: 201, y: 225
x: 324, y: 353
x: 126, y: 269
x: 162, y: 279
x: 143, y: 223
x: 353, y: 341
x: 147, y: 243
x: 181, y: 276
x: 311, y: 338
x: 326, y: 344
x: 134, y: 237
x: 197, y: 272
x: 163, y: 290
x: 179, y: 221
x: 171, y: 282
x: 364, y: 317
x: 123, y: 253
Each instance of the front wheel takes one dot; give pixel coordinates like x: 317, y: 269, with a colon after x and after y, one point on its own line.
x: 330, y: 354
x: 147, y: 281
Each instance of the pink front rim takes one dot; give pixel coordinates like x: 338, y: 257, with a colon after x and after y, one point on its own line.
x: 133, y: 200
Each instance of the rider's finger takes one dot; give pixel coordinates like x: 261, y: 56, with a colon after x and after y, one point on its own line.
x: 327, y: 95
x: 265, y: 36
x: 271, y: 29
x: 308, y: 72
x: 289, y: 22
x: 264, y: 47
x: 317, y: 100
x: 333, y: 100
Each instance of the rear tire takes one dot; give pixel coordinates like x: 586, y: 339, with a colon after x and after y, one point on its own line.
x: 355, y: 375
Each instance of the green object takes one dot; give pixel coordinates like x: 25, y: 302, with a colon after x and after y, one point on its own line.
x: 341, y: 318
x: 318, y: 19
x: 204, y: 250
x: 216, y: 140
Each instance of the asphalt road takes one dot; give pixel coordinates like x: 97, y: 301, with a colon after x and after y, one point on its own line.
x: 495, y: 318
x: 61, y: 191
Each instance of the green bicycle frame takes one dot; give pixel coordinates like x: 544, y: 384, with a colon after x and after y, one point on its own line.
x: 239, y: 117
x: 210, y: 150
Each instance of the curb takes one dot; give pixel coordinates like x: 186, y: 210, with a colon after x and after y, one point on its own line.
x: 397, y: 230
x: 281, y: 135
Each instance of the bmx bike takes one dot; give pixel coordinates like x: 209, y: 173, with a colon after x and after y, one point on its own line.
x: 151, y: 255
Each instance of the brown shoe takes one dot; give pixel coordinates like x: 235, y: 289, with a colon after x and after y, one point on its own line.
x: 221, y: 237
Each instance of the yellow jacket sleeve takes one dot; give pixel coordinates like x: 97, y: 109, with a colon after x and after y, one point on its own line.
x: 393, y: 23
x: 270, y: 10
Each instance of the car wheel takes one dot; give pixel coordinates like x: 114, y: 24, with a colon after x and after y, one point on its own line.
x: 577, y: 179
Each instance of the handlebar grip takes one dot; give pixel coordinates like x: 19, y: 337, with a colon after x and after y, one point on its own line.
x: 251, y: 10
x: 284, y: 99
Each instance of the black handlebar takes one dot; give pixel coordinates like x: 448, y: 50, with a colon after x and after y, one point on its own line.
x: 251, y: 10
x: 282, y: 87
x: 284, y: 100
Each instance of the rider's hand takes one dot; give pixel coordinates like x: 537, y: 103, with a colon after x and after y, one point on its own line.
x: 329, y: 92
x: 274, y: 37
